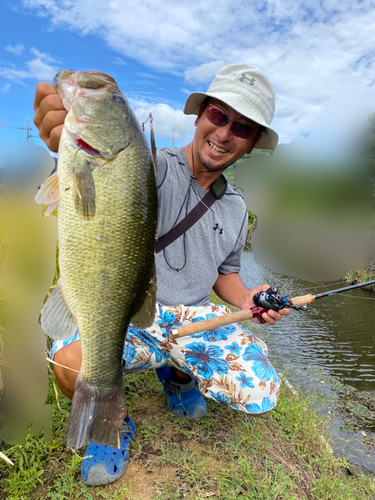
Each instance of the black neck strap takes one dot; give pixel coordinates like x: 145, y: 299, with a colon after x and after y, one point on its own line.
x: 216, y: 192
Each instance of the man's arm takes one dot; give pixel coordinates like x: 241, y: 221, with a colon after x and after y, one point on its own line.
x: 49, y: 115
x: 230, y: 288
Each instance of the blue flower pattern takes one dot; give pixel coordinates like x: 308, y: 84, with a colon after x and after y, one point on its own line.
x: 245, y: 381
x: 216, y: 335
x: 220, y: 398
x: 267, y: 405
x: 207, y: 360
x: 261, y: 365
x: 228, y: 369
x: 166, y: 321
x: 234, y: 348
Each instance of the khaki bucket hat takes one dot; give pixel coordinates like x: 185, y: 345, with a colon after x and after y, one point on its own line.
x: 248, y: 91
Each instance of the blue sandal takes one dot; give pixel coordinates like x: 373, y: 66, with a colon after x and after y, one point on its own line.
x: 183, y: 400
x: 102, y: 464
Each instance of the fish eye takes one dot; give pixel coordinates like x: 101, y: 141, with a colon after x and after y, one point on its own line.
x: 118, y: 98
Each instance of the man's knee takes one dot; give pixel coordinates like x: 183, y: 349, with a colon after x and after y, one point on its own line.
x: 69, y: 358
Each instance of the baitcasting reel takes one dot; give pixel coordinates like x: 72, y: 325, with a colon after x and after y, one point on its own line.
x: 272, y: 299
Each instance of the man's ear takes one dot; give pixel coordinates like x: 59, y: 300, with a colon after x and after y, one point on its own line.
x: 255, y: 141
x: 200, y: 112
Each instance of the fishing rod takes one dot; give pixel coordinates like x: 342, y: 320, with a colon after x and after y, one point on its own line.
x: 269, y: 299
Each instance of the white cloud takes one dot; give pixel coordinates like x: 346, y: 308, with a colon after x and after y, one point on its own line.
x: 13, y: 74
x: 15, y: 49
x: 147, y: 75
x: 38, y: 68
x: 167, y: 121
x: 5, y: 88
x: 44, y: 56
x: 118, y: 61
x: 204, y: 72
x: 308, y: 50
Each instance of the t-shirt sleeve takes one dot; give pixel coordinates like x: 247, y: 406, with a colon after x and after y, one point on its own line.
x: 232, y: 263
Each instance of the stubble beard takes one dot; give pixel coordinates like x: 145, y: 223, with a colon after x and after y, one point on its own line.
x: 208, y: 167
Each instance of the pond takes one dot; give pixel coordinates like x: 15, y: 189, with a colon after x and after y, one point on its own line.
x: 328, y: 350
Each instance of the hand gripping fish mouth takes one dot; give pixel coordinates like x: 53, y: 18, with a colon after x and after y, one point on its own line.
x: 106, y: 229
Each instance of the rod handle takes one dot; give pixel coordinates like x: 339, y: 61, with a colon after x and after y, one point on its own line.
x: 303, y: 299
x: 228, y: 319
x: 211, y: 324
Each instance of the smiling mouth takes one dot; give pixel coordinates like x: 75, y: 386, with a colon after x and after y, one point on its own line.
x: 216, y: 148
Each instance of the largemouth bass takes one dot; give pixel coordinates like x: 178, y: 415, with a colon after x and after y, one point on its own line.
x: 107, y: 212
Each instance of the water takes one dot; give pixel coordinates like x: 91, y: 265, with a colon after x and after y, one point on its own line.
x: 334, y: 338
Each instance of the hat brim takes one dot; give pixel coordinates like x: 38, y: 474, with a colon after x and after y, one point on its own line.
x: 246, y: 108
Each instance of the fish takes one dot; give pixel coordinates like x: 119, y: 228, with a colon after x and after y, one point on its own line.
x: 105, y: 194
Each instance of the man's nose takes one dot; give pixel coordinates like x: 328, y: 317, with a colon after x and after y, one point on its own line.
x: 225, y: 133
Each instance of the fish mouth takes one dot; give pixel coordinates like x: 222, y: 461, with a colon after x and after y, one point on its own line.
x: 87, y: 148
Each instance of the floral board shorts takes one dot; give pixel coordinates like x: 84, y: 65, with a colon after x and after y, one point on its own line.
x: 229, y: 363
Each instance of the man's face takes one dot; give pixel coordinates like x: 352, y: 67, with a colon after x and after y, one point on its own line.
x: 216, y: 146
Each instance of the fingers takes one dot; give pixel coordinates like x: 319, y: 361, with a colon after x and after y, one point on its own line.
x: 270, y: 317
x: 49, y: 115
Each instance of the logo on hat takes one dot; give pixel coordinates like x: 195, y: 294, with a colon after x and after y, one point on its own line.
x: 244, y: 77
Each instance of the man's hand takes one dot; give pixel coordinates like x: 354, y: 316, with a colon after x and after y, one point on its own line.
x: 229, y: 287
x: 49, y: 115
x: 270, y: 316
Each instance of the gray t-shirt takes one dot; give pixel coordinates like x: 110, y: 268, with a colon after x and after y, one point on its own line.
x: 187, y: 269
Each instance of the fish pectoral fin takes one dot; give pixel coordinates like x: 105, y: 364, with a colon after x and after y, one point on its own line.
x: 84, y: 191
x: 145, y: 316
x: 48, y: 193
x: 57, y: 321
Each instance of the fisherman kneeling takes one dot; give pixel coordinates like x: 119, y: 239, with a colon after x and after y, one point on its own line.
x: 233, y: 117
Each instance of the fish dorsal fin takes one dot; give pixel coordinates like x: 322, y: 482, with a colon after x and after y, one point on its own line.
x: 145, y: 316
x: 48, y: 193
x: 84, y: 191
x: 57, y: 321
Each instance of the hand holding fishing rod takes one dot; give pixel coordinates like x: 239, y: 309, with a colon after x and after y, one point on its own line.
x: 269, y: 299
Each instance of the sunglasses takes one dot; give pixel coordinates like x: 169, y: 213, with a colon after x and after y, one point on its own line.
x: 220, y: 119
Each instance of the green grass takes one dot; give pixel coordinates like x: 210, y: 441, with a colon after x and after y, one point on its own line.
x: 361, y: 276
x: 226, y: 455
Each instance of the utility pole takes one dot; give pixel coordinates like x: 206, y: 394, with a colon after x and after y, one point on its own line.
x: 28, y: 128
x: 172, y: 142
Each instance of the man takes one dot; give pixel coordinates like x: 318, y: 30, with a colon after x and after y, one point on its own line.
x: 233, y: 116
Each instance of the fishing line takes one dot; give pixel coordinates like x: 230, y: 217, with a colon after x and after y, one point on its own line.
x: 355, y: 297
x: 63, y: 366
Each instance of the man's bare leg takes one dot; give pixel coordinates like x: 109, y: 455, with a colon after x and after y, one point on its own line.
x: 71, y: 357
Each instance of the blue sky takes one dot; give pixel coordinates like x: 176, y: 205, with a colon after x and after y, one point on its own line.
x: 160, y: 51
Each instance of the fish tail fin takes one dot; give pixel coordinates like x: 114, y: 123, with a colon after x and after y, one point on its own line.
x: 96, y: 416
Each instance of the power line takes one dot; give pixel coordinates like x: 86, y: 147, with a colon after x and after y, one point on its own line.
x: 28, y: 128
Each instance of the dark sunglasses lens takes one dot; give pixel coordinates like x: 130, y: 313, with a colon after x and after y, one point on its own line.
x: 219, y: 119
x: 241, y: 130
x: 216, y: 116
